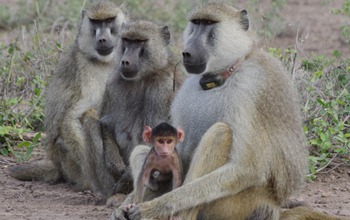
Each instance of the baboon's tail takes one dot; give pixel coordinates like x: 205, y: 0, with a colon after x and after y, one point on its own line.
x: 306, y: 213
x: 41, y: 170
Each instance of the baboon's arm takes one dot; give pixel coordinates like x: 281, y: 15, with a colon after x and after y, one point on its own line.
x: 225, y: 181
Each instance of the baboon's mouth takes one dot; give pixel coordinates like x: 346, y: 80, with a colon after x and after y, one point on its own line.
x: 195, y: 68
x: 104, y: 51
x: 128, y: 74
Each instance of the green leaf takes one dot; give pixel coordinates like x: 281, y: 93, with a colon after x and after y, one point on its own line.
x: 321, y: 102
x: 25, y: 144
x: 4, y: 130
x: 4, y: 151
x: 37, y: 137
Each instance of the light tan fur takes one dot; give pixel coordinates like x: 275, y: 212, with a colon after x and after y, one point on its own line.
x: 305, y: 213
x: 246, y: 167
x: 76, y: 87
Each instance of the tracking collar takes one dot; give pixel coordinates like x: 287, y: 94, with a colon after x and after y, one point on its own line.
x: 210, y: 81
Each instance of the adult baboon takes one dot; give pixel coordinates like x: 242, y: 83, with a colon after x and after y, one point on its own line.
x: 77, y: 85
x: 138, y: 94
x: 244, y: 151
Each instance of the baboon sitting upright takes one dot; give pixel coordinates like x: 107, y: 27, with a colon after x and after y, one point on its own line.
x: 77, y: 85
x: 243, y: 154
x: 139, y: 93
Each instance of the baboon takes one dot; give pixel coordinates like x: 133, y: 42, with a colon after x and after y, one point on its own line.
x: 244, y: 153
x: 162, y: 158
x: 77, y: 86
x: 139, y: 93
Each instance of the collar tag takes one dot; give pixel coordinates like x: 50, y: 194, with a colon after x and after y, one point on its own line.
x: 210, y: 81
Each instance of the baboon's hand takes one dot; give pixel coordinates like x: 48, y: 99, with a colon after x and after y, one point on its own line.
x: 118, y: 214
x: 134, y: 213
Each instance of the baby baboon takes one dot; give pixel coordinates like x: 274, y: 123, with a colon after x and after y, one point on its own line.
x: 77, y: 85
x: 163, y: 158
x: 247, y: 165
x: 138, y: 94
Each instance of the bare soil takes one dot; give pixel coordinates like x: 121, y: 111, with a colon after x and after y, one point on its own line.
x: 307, y: 26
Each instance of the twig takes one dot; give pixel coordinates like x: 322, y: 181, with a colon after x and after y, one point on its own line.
x: 335, y: 167
x: 322, y: 168
x: 293, y: 66
x: 39, y: 45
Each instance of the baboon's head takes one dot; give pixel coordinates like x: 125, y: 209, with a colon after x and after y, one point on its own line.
x: 98, y: 31
x: 215, y: 37
x: 143, y: 49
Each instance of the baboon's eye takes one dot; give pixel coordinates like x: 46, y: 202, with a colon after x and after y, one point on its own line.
x: 95, y: 21
x: 141, y: 41
x: 209, y: 22
x: 169, y: 141
x: 109, y: 20
x: 195, y: 21
x: 125, y: 39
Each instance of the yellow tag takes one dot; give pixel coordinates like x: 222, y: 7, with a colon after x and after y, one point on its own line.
x: 211, y: 85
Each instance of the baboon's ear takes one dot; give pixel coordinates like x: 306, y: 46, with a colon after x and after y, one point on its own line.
x: 147, y: 134
x: 165, y: 34
x: 83, y: 12
x: 180, y: 134
x: 124, y: 8
x: 244, y: 20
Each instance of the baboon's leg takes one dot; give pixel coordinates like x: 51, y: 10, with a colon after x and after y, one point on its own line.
x: 306, y: 213
x: 137, y: 159
x: 102, y: 180
x: 212, y: 152
x: 73, y: 142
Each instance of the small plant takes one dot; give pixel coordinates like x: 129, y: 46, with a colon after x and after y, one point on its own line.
x: 287, y: 56
x: 326, y: 106
x: 324, y: 86
x: 26, y: 64
x: 345, y: 10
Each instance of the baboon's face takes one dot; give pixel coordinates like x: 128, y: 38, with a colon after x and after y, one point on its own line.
x: 214, y: 41
x: 104, y: 33
x: 98, y: 38
x: 199, y: 44
x: 133, y: 52
x: 142, y: 50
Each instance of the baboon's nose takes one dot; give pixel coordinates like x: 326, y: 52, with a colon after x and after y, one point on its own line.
x: 186, y: 54
x: 102, y: 40
x: 125, y: 63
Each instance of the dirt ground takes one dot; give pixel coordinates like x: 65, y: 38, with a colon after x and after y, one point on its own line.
x: 318, y: 33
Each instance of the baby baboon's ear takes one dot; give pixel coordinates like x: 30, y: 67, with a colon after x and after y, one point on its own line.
x: 165, y: 34
x: 244, y: 20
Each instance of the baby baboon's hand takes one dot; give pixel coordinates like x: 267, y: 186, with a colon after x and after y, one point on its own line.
x: 134, y: 212
x: 118, y: 214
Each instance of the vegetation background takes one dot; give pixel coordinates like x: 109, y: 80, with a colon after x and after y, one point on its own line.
x: 33, y: 34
